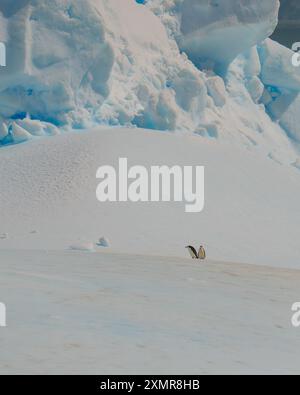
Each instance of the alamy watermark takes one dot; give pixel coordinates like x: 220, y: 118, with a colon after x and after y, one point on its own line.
x: 296, y: 315
x: 160, y: 184
x: 2, y: 54
x: 296, y: 55
x: 2, y: 315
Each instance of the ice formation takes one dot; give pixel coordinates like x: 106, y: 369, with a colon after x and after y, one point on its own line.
x: 217, y: 31
x: 188, y: 65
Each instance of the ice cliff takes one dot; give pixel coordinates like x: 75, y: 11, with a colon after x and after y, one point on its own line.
x: 196, y: 66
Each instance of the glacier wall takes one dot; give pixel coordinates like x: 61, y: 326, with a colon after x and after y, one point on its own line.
x: 201, y: 67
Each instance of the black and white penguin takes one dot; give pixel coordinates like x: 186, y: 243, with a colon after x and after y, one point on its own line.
x: 192, y: 252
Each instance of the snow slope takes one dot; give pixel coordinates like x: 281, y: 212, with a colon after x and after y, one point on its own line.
x: 78, y: 313
x: 251, y: 213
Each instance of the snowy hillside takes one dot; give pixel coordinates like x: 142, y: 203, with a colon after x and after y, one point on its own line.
x: 251, y: 214
x: 121, y: 63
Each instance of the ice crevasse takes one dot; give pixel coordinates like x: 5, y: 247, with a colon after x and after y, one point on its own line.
x: 196, y: 66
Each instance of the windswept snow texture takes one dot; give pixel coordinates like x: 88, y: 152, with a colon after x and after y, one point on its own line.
x: 75, y: 64
x: 85, y: 313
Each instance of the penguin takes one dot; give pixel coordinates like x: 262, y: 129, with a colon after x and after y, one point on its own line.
x: 192, y: 252
x: 201, y: 253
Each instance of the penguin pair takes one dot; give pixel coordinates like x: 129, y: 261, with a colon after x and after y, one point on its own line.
x: 201, y: 254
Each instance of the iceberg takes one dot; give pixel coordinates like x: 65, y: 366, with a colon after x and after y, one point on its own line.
x: 205, y: 68
x: 282, y: 82
x: 218, y: 31
x: 77, y: 64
